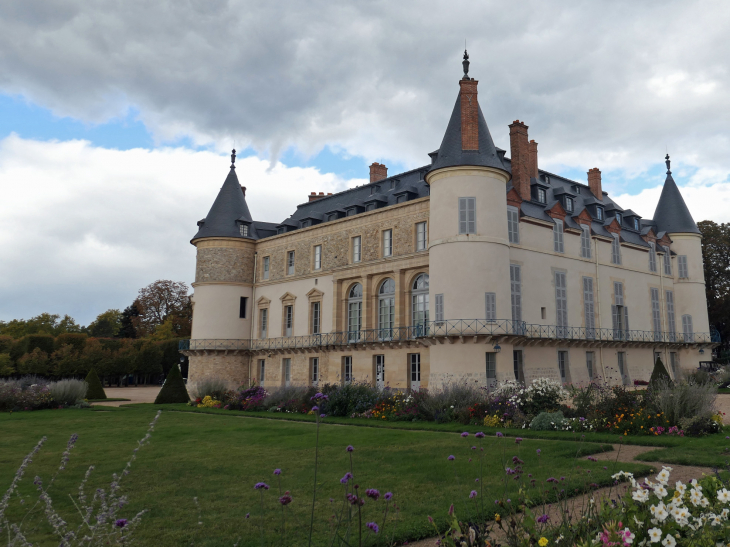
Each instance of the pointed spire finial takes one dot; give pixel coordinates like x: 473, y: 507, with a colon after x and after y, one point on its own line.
x: 465, y: 64
x: 666, y: 160
x: 233, y: 158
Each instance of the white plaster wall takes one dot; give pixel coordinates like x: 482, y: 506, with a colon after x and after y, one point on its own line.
x: 689, y: 294
x: 216, y: 309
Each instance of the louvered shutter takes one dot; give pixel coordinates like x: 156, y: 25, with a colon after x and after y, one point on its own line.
x: 671, y: 324
x: 626, y: 323
x: 614, y: 316
x: 588, y: 307
x: 471, y: 215
x: 490, y: 306
x: 463, y: 229
x: 439, y: 307
x: 682, y: 265
x: 655, y: 314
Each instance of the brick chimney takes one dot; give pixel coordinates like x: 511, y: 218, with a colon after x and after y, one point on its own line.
x: 594, y: 182
x: 378, y: 171
x: 520, y: 152
x: 243, y: 189
x: 469, y: 114
x: 532, y: 154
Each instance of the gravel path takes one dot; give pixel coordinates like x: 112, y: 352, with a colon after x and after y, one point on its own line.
x: 140, y: 394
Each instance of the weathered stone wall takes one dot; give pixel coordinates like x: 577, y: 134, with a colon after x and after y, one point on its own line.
x: 224, y: 260
x: 218, y: 365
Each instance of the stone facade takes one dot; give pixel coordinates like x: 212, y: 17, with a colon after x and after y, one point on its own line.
x: 219, y: 365
x: 224, y: 260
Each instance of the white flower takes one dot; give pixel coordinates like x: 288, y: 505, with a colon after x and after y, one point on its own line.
x: 661, y: 512
x: 638, y: 522
x: 628, y: 536
x: 660, y: 491
x: 669, y: 541
x: 640, y: 495
x: 663, y: 476
x: 655, y: 535
x: 723, y: 496
x: 681, y: 488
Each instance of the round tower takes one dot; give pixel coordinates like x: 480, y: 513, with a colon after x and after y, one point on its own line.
x: 468, y: 239
x: 224, y: 278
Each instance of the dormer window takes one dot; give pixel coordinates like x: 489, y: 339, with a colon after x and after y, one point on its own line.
x: 599, y: 213
x: 541, y: 195
x: 636, y: 224
x: 577, y: 189
x: 392, y: 184
x: 619, y: 219
x: 306, y: 223
x: 280, y: 230
x: 332, y: 216
x: 370, y: 207
x: 351, y: 212
x: 569, y: 204
x: 244, y: 230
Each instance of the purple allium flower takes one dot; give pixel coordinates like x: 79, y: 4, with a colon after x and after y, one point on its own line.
x: 430, y: 519
x: 323, y: 415
x: 509, y: 471
x: 260, y: 485
x: 469, y: 460
x: 552, y: 479
x: 518, y: 440
x: 372, y: 493
x: 604, y: 467
x: 248, y: 515
x: 591, y: 459
x: 277, y: 471
x: 388, y: 496
x: 542, y: 519
x: 499, y: 434
x: 479, y: 435
x: 465, y: 434
x: 285, y: 499
x: 562, y: 479
x: 473, y: 447
x: 451, y: 458
x: 315, y: 408
x: 539, y: 451
x: 373, y: 527
x: 350, y: 448
x: 476, y: 480
x: 473, y: 494
x: 120, y: 523
x: 346, y: 478
x: 451, y: 510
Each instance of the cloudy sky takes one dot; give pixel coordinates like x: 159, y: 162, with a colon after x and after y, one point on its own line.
x: 117, y: 118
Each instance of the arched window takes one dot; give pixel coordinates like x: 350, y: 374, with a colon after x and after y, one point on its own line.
x: 354, y: 312
x: 419, y: 305
x: 386, y: 309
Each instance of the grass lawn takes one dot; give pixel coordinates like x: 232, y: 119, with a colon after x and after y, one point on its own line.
x: 107, y: 400
x: 218, y: 459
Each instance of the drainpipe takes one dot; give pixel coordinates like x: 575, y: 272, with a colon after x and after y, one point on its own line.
x: 598, y: 306
x: 253, y: 314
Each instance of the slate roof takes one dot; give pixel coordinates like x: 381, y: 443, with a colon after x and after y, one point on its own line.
x: 671, y: 214
x: 228, y: 208
x: 450, y: 153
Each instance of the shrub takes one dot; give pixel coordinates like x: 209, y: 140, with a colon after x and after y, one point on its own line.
x: 213, y: 386
x: 6, y: 365
x: 68, y: 392
x: 35, y: 362
x: 659, y: 372
x: 15, y: 396
x: 546, y: 421
x: 699, y: 426
x: 95, y: 389
x: 251, y: 398
x: 351, y: 398
x: 173, y: 390
x: 683, y: 400
x: 449, y: 401
x: 43, y: 342
x: 291, y: 399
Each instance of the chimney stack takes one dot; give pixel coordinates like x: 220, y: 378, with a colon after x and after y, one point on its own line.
x: 520, y: 152
x: 594, y: 183
x: 533, y: 160
x: 243, y: 189
x: 469, y: 114
x: 378, y: 171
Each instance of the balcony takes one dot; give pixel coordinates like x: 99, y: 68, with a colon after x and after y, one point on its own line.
x: 451, y: 331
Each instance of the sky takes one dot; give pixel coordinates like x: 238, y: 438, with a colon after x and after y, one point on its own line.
x: 117, y: 119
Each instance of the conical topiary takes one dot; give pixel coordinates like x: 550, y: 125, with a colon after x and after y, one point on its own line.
x: 173, y: 390
x: 659, y: 373
x: 96, y: 390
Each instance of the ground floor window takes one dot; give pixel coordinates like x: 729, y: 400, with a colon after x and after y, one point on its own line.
x: 286, y: 366
x: 262, y: 371
x: 674, y: 362
x: 380, y: 371
x: 563, y: 366
x: 590, y: 364
x: 517, y: 364
x: 414, y: 360
x: 623, y: 368
x: 347, y: 369
x: 314, y: 370
x: 491, y: 369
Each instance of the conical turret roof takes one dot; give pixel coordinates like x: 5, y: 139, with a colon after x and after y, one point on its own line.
x: 229, y: 207
x: 672, y: 214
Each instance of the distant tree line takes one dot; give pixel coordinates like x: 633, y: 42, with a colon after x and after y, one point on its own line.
x: 716, y: 258
x: 137, y: 345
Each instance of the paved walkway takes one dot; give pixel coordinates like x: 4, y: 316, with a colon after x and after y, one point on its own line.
x: 140, y: 394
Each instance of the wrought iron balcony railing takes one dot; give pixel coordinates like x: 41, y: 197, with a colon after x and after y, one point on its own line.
x: 452, y: 328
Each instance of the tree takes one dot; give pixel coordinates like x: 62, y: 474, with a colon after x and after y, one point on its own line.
x: 716, y: 258
x: 106, y: 324
x: 127, y: 321
x: 659, y: 373
x: 66, y: 361
x: 44, y: 323
x: 158, y: 301
x: 96, y: 390
x: 6, y: 365
x: 173, y: 390
x: 35, y: 362
x: 149, y: 361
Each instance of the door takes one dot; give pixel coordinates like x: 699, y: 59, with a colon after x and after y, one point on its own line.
x: 380, y: 371
x: 415, y: 365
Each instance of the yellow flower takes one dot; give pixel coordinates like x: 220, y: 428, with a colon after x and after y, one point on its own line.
x: 542, y: 542
x: 497, y: 518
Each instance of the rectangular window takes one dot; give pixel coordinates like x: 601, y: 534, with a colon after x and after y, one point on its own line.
x: 656, y: 315
x: 561, y: 304
x: 615, y: 250
x: 490, y: 306
x: 388, y: 243
x: 599, y: 213
x: 541, y: 195
x: 569, y: 204
x: 590, y: 363
x: 652, y: 257
x: 513, y: 224
x: 687, y: 328
x: 667, y: 261
x: 515, y: 278
x: 636, y: 224
x: 421, y: 237
x: 242, y: 307
x: 266, y: 267
x: 244, y: 230
x: 318, y: 257
x: 589, y: 308
x: 380, y: 371
x: 563, y: 366
x: 682, y: 270
x: 286, y: 365
x: 306, y: 223
x: 585, y: 242
x: 619, y: 313
x: 401, y: 199
x: 671, y: 324
x: 290, y: 263
x: 315, y: 318
x: 439, y: 307
x: 288, y: 320
x: 351, y: 212
x: 619, y: 219
x: 491, y: 369
x: 264, y: 322
x: 262, y: 371
x: 674, y: 362
x: 558, y: 245
x: 314, y: 369
x: 467, y: 216
x: 622, y: 368
x: 356, y: 249
x: 415, y: 371
x: 517, y: 365
x: 347, y: 369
